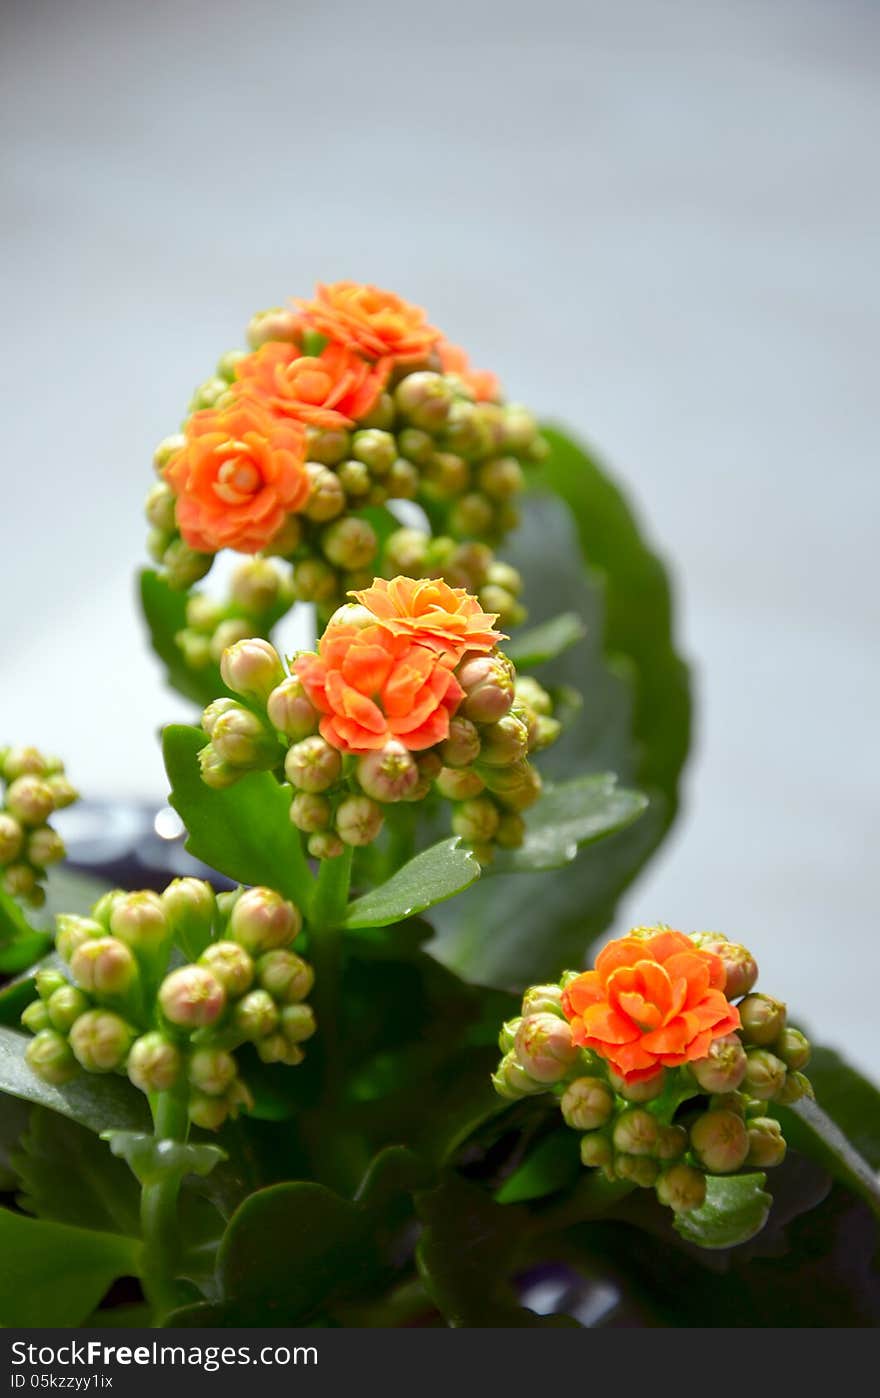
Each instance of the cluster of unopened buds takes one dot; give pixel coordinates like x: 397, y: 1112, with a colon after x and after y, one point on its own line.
x: 32, y: 788
x: 344, y: 402
x: 129, y: 1004
x: 407, y: 693
x: 664, y: 1058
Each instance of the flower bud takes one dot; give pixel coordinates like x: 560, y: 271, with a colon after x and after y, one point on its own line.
x: 731, y: 1102
x: 358, y: 820
x: 159, y: 507
x: 739, y: 964
x: 511, y: 831
x: 168, y: 448
x: 255, y: 585
x: 406, y: 552
x: 672, y: 1142
x: 544, y: 1047
x: 20, y: 881
x: 100, y: 1041
x: 285, y: 976
x: 720, y: 1141
x: 681, y: 1188
x: 425, y: 399
x: 324, y: 844
x: 29, y: 799
x: 192, y: 997
x: 207, y: 1112
x: 211, y: 1070
x: 22, y: 760
x: 48, y: 1055
x: 546, y: 731
x: 297, y: 1023
x: 472, y: 514
x: 48, y: 981
x: 488, y: 684
x: 184, y: 566
x: 418, y: 446
x: 507, y: 1034
x: 262, y: 919
x: 639, y: 1169
x: 72, y: 931
x: 63, y: 792
x: 533, y: 695
x: 313, y: 765
x: 277, y: 323
x: 402, y: 481
x: 214, y: 772
x: 252, y: 668
x: 275, y: 1048
x: 764, y: 1075
x: 430, y: 767
x: 11, y: 838
x: 190, y: 907
x: 229, y: 632
x: 462, y: 745
x: 326, y: 497
x: 350, y: 543
x: 587, y: 1103
x: 501, y: 478
x: 793, y: 1048
x: 45, y: 846
x: 795, y: 1086
x: 389, y: 774
x: 512, y: 1081
x: 231, y: 965
x: 636, y: 1132
x: 139, y: 920
x: 240, y: 738
x: 376, y: 449
x: 154, y: 1063
x: 763, y: 1019
x: 542, y: 999
x: 310, y: 812
x: 104, y: 966
x: 596, y: 1152
x: 35, y: 1017
x: 256, y: 1015
x: 766, y: 1143
x: 723, y: 1068
x: 458, y: 784
x: 291, y: 711
x: 476, y: 820
x: 643, y: 1090
x: 504, y: 742
x: 355, y: 479
x: 328, y: 446
x: 466, y: 431
x: 446, y: 475
x: 496, y: 599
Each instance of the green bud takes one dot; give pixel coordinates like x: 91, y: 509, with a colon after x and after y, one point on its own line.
x: 48, y: 981
x: 504, y: 742
x: 681, y: 1188
x: 255, y: 585
x: 350, y: 543
x: 720, y: 1141
x: 488, y: 684
x: 190, y: 907
x: 21, y: 761
x: 520, y: 428
x: 262, y: 920
x: 72, y: 931
x: 277, y: 323
x: 211, y: 1070
x: 426, y: 400
x: 285, y: 542
x: 533, y: 695
x: 252, y: 668
x: 496, y: 599
x: 310, y: 812
x: 512, y: 1081
x: 103, y: 966
x: 359, y: 820
x: 328, y: 446
x: 100, y: 1041
x: 472, y: 514
x: 231, y: 965
x: 516, y: 787
x: 543, y: 999
x: 501, y: 574
x: 183, y: 565
x: 313, y: 765
x: 242, y: 740
x: 739, y: 964
x: 544, y: 1047
x: 63, y: 792
x: 139, y: 920
x: 326, y: 497
x: 458, y: 784
x: 795, y: 1086
x: 730, y: 1102
x: 29, y: 800
x: 587, y: 1103
x: 402, y: 481
x: 167, y: 450
x: 793, y: 1048
x: 285, y: 976
x: 764, y: 1076
x: 507, y: 1034
x: 636, y: 1132
x: 154, y: 1064
x: 596, y: 1152
x: 376, y: 449
x: 501, y: 478
x: 275, y: 1048
x: 45, y: 846
x: 389, y: 774
x: 213, y: 771
x: 416, y: 445
x: 672, y: 1142
x: 11, y: 838
x: 195, y: 648
x: 381, y: 414
x: 297, y: 1023
x: 291, y: 711
x: 48, y: 1055
x: 256, y: 1015
x: 19, y: 880
x: 766, y: 1143
x: 546, y: 731
x: 763, y: 1019
x: 35, y: 1017
x: 466, y: 431
x: 723, y: 1068
x: 324, y: 844
x: 228, y: 363
x: 209, y: 393
x: 511, y: 831
x: 462, y: 745
x: 355, y: 478
x: 476, y: 820
x: 192, y: 997
x: 207, y: 1112
x: 446, y: 475
x: 644, y: 1090
x: 159, y: 508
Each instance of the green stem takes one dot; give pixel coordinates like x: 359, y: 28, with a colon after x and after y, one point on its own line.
x: 325, y: 944
x: 159, y: 1223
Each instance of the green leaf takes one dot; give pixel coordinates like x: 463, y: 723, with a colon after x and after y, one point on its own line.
x: 20, y: 991
x: 433, y: 876
x: 14, y: 926
x: 98, y: 1102
x: 151, y: 1160
x: 567, y: 816
x: 809, y: 1129
x: 736, y: 1208
x: 23, y: 952
x: 851, y: 1101
x: 244, y: 831
x: 67, y: 1174
x: 554, y: 1164
x: 580, y: 548
x: 165, y: 612
x: 60, y: 1273
x: 539, y: 644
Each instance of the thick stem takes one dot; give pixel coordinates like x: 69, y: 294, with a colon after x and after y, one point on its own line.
x: 159, y: 1224
x: 325, y: 951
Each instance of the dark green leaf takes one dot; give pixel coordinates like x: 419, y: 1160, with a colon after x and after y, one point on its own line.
x: 14, y: 926
x: 165, y: 612
x: 98, y: 1102
x: 736, y: 1208
x: 23, y: 952
x: 810, y: 1130
x: 554, y: 1164
x: 243, y: 831
x: 433, y: 876
x: 67, y: 1174
x: 567, y: 816
x: 59, y: 1273
x: 539, y: 644
x: 850, y: 1099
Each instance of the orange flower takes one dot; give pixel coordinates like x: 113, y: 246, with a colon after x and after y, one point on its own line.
x: 428, y: 610
x: 239, y: 476
x: 484, y: 385
x: 653, y: 1001
x: 371, y: 686
x: 375, y: 323
x: 329, y: 390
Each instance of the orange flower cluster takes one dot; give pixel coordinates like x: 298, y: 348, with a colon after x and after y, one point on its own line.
x: 384, y: 668
x: 652, y: 1002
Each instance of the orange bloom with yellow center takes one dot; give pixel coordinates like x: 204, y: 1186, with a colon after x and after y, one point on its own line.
x: 239, y: 476
x: 373, y: 322
x: 443, y: 618
x: 652, y: 1002
x: 371, y: 685
x: 484, y: 385
x: 329, y: 390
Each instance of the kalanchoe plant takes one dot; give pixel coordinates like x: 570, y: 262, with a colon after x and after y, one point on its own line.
x: 272, y: 1095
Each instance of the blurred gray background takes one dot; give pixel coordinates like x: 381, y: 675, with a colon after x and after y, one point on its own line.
x: 658, y: 221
